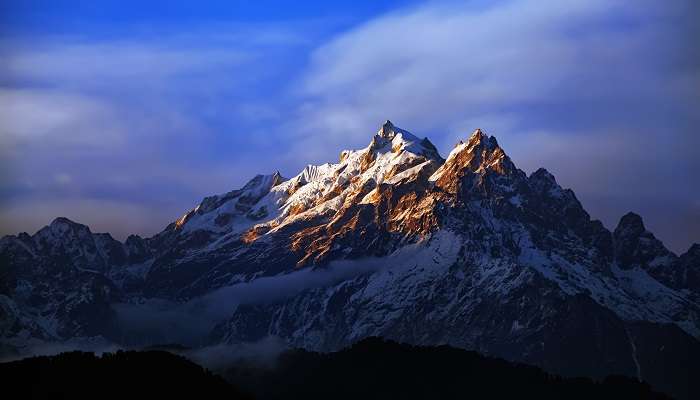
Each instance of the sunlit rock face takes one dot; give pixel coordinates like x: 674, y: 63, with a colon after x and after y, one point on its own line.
x: 466, y: 250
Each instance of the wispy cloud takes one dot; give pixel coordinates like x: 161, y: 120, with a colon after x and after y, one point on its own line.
x: 192, y: 322
x: 50, y: 116
x: 596, y: 91
x: 141, y: 124
x: 107, y: 63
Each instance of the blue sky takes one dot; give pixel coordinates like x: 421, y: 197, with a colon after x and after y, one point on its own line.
x: 123, y: 115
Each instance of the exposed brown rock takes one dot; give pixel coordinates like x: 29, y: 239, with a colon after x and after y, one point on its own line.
x: 367, y: 161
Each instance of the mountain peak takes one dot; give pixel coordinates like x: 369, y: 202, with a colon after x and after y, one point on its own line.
x: 277, y: 178
x: 387, y: 130
x: 634, y: 245
x: 62, y: 221
x: 630, y: 224
x: 62, y: 229
x: 543, y: 174
x: 394, y: 139
x: 543, y: 180
x: 478, y: 138
x: 481, y: 154
x: 477, y: 134
x: 63, y: 224
x: 483, y: 151
x: 694, y: 250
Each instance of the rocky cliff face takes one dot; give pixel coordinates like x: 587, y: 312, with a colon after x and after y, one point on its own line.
x: 466, y: 250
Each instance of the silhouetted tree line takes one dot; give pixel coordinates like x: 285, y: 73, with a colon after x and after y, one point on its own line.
x: 371, y: 369
x: 378, y: 369
x: 121, y: 375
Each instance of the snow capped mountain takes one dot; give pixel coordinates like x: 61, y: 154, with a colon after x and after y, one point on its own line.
x: 467, y: 250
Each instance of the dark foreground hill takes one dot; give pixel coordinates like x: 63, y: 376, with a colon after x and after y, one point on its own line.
x: 371, y: 369
x: 120, y: 375
x: 378, y: 369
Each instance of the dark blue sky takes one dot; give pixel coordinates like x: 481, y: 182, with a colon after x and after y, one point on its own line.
x: 123, y: 115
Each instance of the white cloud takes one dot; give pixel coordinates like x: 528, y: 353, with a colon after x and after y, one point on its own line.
x: 97, y: 62
x: 36, y: 115
x: 448, y: 61
x: 116, y: 133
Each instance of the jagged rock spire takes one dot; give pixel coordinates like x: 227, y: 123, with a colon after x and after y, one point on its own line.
x: 479, y: 138
x: 630, y: 224
x: 634, y: 245
x: 481, y: 155
x: 478, y: 134
x: 277, y: 178
x: 387, y: 130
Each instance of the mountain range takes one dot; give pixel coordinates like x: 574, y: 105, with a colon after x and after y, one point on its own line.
x: 392, y: 240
